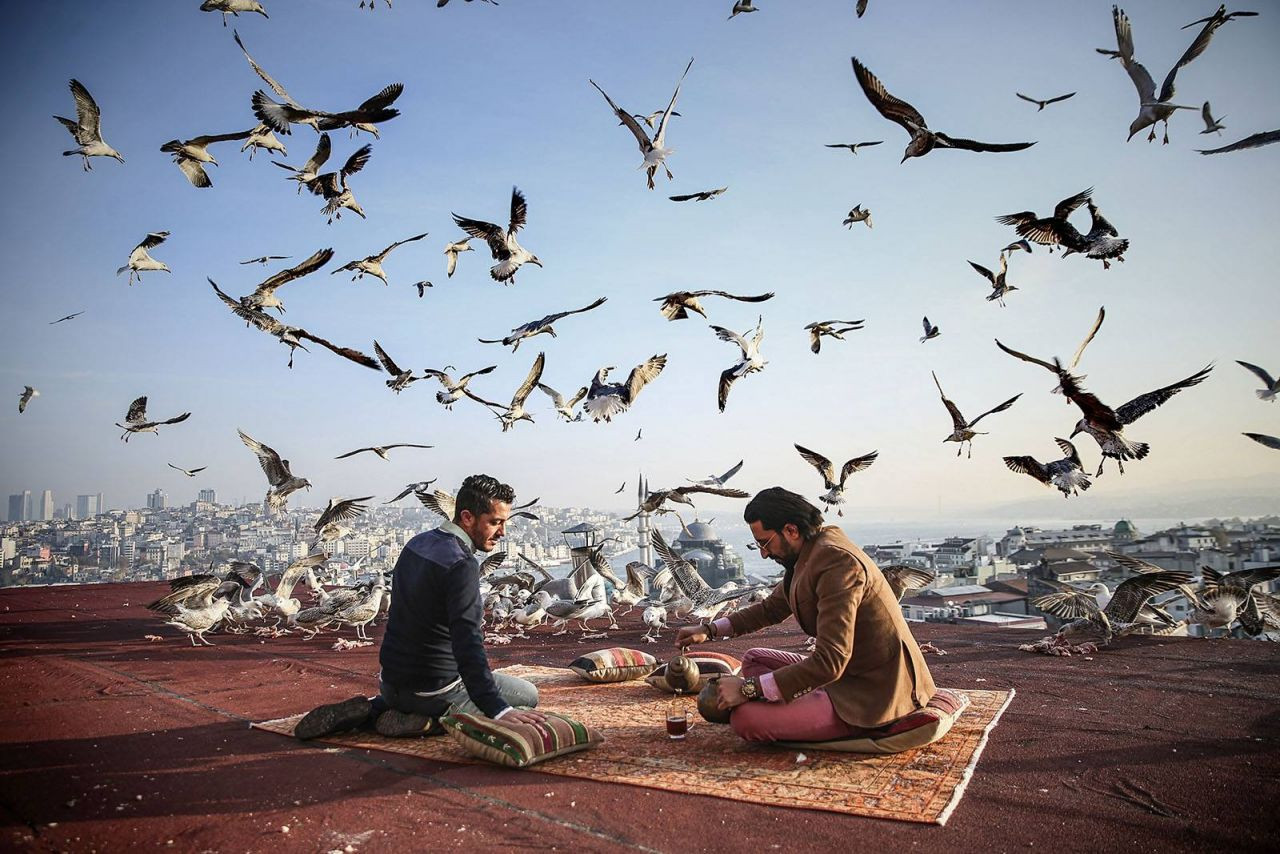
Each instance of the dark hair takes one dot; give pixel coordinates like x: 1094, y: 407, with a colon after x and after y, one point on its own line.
x: 776, y: 507
x: 478, y: 493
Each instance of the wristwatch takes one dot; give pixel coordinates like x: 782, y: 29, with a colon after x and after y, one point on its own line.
x: 710, y: 628
x: 750, y: 688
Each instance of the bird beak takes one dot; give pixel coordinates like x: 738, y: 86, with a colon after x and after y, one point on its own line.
x: 1073, y: 433
x: 535, y: 261
x: 903, y: 160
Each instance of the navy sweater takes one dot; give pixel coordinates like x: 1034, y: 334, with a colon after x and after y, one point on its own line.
x: 434, y: 630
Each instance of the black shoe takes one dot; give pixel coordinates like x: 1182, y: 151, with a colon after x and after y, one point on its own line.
x: 335, y: 717
x: 396, y: 724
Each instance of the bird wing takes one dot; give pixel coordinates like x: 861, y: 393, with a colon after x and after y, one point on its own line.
x: 894, y: 109
x: 266, y: 78
x: 341, y: 511
x: 727, y: 378
x: 519, y: 211
x: 642, y: 138
x: 552, y: 318
x: 291, y: 576
x: 137, y: 410
x: 1265, y: 440
x: 1032, y: 359
x: 357, y: 161
x: 1136, y: 564
x: 1254, y: 141
x: 1060, y: 98
x: 353, y: 453
x: 88, y: 116
x: 385, y: 252
x: 209, y: 139
x: 991, y: 277
x: 556, y: 397
x: 383, y: 99
x: 1025, y: 98
x: 661, y: 133
x: 462, y: 379
x: 902, y: 578
x: 946, y: 141
x: 438, y: 502
x: 1196, y: 48
x: 1001, y: 408
x: 315, y: 262
x: 857, y: 464
x: 731, y: 472
x: 727, y: 492
x: 957, y: 419
x: 1097, y: 324
x: 345, y: 352
x: 1067, y: 603
x: 1134, y: 592
x: 323, y: 148
x: 177, y: 419
x: 526, y: 387
x: 1069, y: 451
x: 249, y: 315
x: 1206, y: 115
x: 682, y: 572
x: 732, y: 337
x: 493, y: 562
x: 272, y: 466
x: 1266, y: 378
x: 404, y: 445
x: 1141, y: 405
x: 1028, y: 465
x: 1137, y: 72
x: 687, y: 197
x: 757, y: 298
x: 195, y: 173
x: 928, y: 327
x: 489, y: 232
x: 179, y: 468
x: 153, y: 240
x: 545, y: 575
x: 643, y: 374
x: 821, y: 463
x: 815, y: 337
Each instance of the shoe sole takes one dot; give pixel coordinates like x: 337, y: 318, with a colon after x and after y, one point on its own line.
x: 396, y: 724
x: 332, y: 718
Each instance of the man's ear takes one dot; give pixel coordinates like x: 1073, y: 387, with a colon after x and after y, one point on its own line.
x: 465, y: 518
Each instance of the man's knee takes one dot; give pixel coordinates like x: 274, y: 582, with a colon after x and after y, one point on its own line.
x: 749, y: 725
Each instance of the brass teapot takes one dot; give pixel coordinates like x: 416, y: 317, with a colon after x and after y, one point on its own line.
x: 683, y: 674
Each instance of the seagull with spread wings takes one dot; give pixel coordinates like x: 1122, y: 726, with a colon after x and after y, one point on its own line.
x: 654, y: 149
x: 136, y: 421
x: 28, y: 392
x: 1211, y: 125
x: 264, y: 295
x: 750, y: 363
x: 140, y: 260
x: 280, y: 479
x: 400, y: 379
x: 706, y: 601
x: 329, y: 526
x: 420, y: 486
x: 538, y: 327
x: 677, y: 305
x: 1052, y: 230
x: 1257, y: 140
x: 515, y: 412
x: 332, y: 186
x: 453, y: 389
x: 853, y: 146
x: 908, y: 117
x: 187, y: 472
x: 310, y: 170
x: 373, y: 111
x: 503, y: 246
x: 1102, y: 243
x: 605, y: 399
x: 381, y: 451
x: 264, y: 260
x: 835, y: 489
x: 719, y: 480
x: 1047, y: 101
x: 1123, y: 612
x: 857, y: 214
x: 87, y: 128
x: 372, y: 264
x: 740, y: 7
x: 262, y: 137
x: 66, y: 317
x: 1063, y: 373
x: 192, y: 154
x: 1270, y: 385
x: 830, y: 328
x: 702, y: 196
x: 451, y: 254
x: 655, y: 501
x: 999, y: 287
x: 1067, y: 474
x: 962, y: 429
x: 930, y: 331
x: 564, y: 408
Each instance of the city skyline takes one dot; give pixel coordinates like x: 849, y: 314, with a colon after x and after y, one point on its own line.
x: 478, y: 118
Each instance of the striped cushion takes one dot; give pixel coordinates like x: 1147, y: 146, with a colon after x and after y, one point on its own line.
x: 710, y: 665
x: 921, y: 727
x: 618, y: 664
x: 519, y: 745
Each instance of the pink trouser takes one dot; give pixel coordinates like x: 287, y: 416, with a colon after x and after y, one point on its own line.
x: 807, y: 718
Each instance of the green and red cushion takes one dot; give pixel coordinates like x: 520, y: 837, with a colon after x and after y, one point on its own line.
x: 617, y: 664
x: 518, y: 745
x: 921, y: 727
x: 710, y: 665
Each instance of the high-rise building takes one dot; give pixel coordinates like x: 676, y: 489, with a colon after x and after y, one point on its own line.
x: 209, y: 495
x: 43, y: 511
x: 87, y: 506
x: 102, y: 504
x: 18, y: 506
x: 157, y: 500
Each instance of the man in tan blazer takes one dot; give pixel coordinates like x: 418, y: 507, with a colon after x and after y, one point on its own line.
x: 866, y: 670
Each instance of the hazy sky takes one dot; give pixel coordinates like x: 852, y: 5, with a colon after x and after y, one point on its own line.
x: 498, y: 96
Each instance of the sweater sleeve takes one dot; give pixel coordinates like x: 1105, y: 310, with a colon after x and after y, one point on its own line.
x: 466, y: 635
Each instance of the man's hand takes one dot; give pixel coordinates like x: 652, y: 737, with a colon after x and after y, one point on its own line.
x: 524, y: 716
x: 690, y: 635
x: 729, y: 692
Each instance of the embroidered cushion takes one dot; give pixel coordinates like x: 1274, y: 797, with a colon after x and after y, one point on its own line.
x: 519, y: 745
x: 618, y: 664
x: 710, y: 665
x: 921, y: 727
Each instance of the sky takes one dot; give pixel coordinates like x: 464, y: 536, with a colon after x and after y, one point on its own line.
x: 496, y: 97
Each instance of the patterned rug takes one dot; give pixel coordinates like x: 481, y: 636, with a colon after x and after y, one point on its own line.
x: 921, y: 785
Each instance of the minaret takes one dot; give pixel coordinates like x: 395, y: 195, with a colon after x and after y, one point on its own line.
x: 646, y: 546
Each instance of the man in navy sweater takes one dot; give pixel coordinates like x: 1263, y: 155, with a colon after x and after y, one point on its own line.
x: 432, y: 653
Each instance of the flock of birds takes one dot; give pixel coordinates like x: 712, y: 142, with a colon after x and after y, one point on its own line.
x: 601, y: 400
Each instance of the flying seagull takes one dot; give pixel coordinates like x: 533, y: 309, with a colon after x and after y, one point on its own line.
x: 135, y: 421
x: 333, y: 186
x: 233, y: 7
x: 87, y: 128
x: 453, y: 388
x: 140, y: 262
x: 999, y: 287
x: 930, y: 331
x: 1102, y: 243
x: 638, y: 434
x: 373, y: 111
x: 564, y: 408
x: 835, y: 489
x: 515, y: 412
x: 538, y: 327
x: 830, y: 328
x: 329, y: 526
x: 1024, y: 245
x: 67, y: 317
x: 262, y: 137
x: 266, y: 259
x: 1056, y: 367
x: 311, y: 169
x: 962, y: 429
x: 676, y: 306
x: 651, y: 118
x: 620, y: 488
x: 509, y: 254
x: 857, y: 214
x: 900, y: 112
x: 187, y: 472
x: 422, y: 287
x: 740, y: 7
x: 192, y: 154
x: 1211, y: 125
x: 372, y: 264
x: 854, y: 146
x: 281, y: 480
x: 750, y: 363
x: 451, y: 254
x: 23, y: 399
x: 1046, y: 102
x: 1265, y: 440
x: 700, y: 197
x: 380, y: 450
x: 719, y: 480
x: 1270, y: 385
x: 1257, y: 140
x: 413, y: 487
x: 655, y: 502
x: 605, y: 399
x: 445, y: 504
x: 400, y: 379
x: 264, y: 295
x: 654, y: 150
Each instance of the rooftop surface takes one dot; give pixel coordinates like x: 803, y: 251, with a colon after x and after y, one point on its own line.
x: 111, y: 741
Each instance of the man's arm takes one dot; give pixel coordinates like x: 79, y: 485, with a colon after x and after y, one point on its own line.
x: 841, y: 581
x: 774, y: 609
x: 465, y: 612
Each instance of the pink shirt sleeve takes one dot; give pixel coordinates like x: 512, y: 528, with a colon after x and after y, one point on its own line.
x: 724, y: 628
x: 769, y: 687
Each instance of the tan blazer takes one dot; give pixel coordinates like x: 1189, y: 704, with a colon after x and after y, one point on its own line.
x: 865, y: 658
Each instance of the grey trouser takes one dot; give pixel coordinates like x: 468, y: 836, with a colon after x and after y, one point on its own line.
x: 514, y: 690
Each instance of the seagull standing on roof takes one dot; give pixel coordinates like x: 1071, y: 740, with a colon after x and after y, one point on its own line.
x: 191, y: 154
x: 1067, y: 474
x: 140, y: 261
x: 750, y: 363
x: 999, y: 287
x: 136, y: 421
x: 1121, y: 616
x: 509, y: 254
x: 830, y: 328
x: 908, y: 117
x: 451, y: 254
x: 28, y: 392
x: 372, y: 264
x: 87, y: 128
x: 280, y: 479
x: 835, y: 489
x: 654, y: 150
x: 963, y: 429
x: 264, y: 295
x: 453, y: 389
x: 1046, y: 102
x: 1270, y: 385
x: 605, y: 399
x: 515, y: 412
